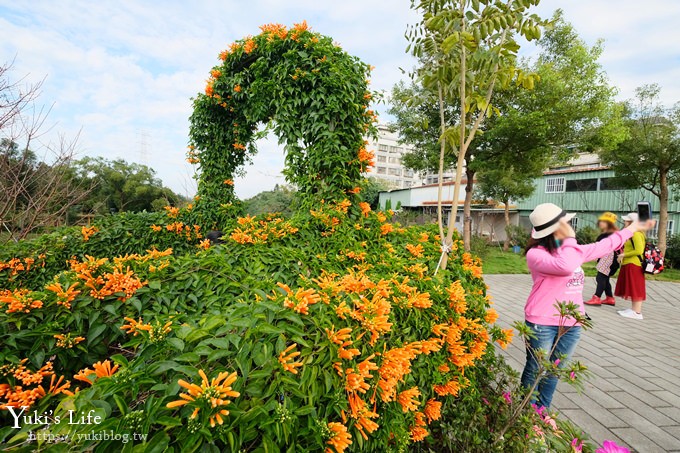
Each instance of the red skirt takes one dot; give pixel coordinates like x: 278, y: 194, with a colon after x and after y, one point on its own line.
x: 630, y: 284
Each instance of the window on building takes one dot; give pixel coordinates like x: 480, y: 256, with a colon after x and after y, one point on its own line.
x: 382, y: 159
x: 394, y: 171
x: 381, y: 170
x: 394, y: 160
x: 382, y: 147
x: 408, y: 173
x: 654, y: 233
x: 554, y: 185
x: 395, y: 149
x: 408, y: 184
x: 582, y: 185
x: 611, y: 184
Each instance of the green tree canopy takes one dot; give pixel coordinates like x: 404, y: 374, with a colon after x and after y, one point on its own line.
x: 122, y: 186
x: 650, y: 156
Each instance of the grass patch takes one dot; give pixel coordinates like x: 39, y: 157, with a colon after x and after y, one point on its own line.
x: 500, y: 262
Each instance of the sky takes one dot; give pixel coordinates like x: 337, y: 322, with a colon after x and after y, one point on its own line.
x: 122, y: 73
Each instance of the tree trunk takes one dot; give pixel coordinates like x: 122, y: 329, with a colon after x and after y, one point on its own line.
x: 506, y: 214
x: 663, y: 210
x: 467, y: 208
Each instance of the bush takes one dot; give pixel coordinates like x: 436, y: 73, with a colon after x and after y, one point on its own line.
x: 479, y: 245
x: 672, y: 255
x: 303, y: 329
x: 518, y: 235
x: 587, y: 235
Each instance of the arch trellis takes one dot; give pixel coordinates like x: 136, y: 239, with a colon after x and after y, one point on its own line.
x: 315, y: 96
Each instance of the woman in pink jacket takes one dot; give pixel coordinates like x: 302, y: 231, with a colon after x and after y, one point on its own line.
x: 554, y: 260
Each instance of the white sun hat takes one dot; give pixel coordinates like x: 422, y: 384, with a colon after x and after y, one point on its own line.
x: 630, y: 217
x: 546, y: 218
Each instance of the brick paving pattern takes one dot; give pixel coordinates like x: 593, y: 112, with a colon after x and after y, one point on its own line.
x: 634, y: 394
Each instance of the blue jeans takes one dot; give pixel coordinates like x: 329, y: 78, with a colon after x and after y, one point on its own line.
x: 545, y: 338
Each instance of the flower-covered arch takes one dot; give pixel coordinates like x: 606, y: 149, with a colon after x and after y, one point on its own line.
x: 313, y: 94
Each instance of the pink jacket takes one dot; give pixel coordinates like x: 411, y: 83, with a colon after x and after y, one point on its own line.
x: 559, y: 277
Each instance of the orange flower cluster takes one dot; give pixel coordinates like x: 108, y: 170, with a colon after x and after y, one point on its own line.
x: 432, y: 410
x: 286, y: 358
x: 212, y: 394
x: 67, y: 341
x: 457, y: 297
x: 273, y: 31
x: 342, y: 339
x: 507, y: 338
x: 100, y: 370
x: 215, y: 73
x: 228, y: 182
x: 16, y: 265
x: 249, y: 46
x: 110, y: 283
x: 418, y: 431
x: 365, y: 208
x: 258, y: 232
x: 340, y: 439
x: 408, y: 400
x: 415, y: 250
x: 301, y: 300
x: 64, y: 296
x: 88, y: 232
x: 366, y: 158
x: 491, y: 316
x: 21, y: 395
x: 19, y: 301
x: 386, y: 228
x: 154, y: 255
x: 418, y: 269
x: 472, y: 265
x: 187, y: 231
x: 172, y: 211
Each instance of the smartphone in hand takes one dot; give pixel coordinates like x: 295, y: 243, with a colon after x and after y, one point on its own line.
x: 644, y: 211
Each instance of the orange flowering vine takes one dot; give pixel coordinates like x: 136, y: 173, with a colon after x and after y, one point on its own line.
x: 100, y: 370
x: 339, y: 439
x: 88, y: 232
x: 286, y: 358
x: 211, y: 394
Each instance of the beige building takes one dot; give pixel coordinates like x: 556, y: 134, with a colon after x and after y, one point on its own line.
x: 388, y: 166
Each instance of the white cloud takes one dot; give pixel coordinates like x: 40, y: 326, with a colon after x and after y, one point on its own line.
x: 118, y: 68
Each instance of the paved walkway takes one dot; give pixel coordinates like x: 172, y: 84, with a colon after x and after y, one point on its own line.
x: 634, y: 395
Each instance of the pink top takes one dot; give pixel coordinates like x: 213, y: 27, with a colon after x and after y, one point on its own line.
x: 558, y: 277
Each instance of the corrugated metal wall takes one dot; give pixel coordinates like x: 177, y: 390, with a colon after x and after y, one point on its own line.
x: 589, y: 204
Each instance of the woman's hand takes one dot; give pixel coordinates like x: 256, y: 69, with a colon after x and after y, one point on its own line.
x: 641, y: 226
x: 565, y: 231
x: 619, y: 258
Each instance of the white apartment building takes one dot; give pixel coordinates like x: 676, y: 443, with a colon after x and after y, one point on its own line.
x: 388, y: 166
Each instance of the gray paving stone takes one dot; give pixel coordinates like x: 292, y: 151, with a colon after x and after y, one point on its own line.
x: 634, y: 395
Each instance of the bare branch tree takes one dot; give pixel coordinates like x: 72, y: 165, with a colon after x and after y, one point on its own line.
x: 37, y: 190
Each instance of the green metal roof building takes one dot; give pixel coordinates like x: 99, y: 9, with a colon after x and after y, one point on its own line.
x: 588, y: 190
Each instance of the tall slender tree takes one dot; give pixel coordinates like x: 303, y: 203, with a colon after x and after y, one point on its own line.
x: 469, y: 49
x: 650, y: 156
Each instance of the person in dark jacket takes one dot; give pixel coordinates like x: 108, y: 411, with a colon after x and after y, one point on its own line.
x: 606, y: 266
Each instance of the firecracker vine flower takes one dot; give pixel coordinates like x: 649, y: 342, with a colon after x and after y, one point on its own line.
x: 64, y: 296
x: 100, y: 370
x: 339, y: 439
x: 286, y: 358
x: 67, y: 341
x: 408, y: 400
x: 19, y: 301
x: 210, y: 394
x: 88, y: 232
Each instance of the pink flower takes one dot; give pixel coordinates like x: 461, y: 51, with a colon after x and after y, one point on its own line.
x: 538, y: 431
x: 486, y: 401
x: 551, y: 422
x: 572, y: 376
x: 577, y: 445
x: 539, y: 410
x: 609, y: 446
x: 557, y: 362
x: 508, y: 398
